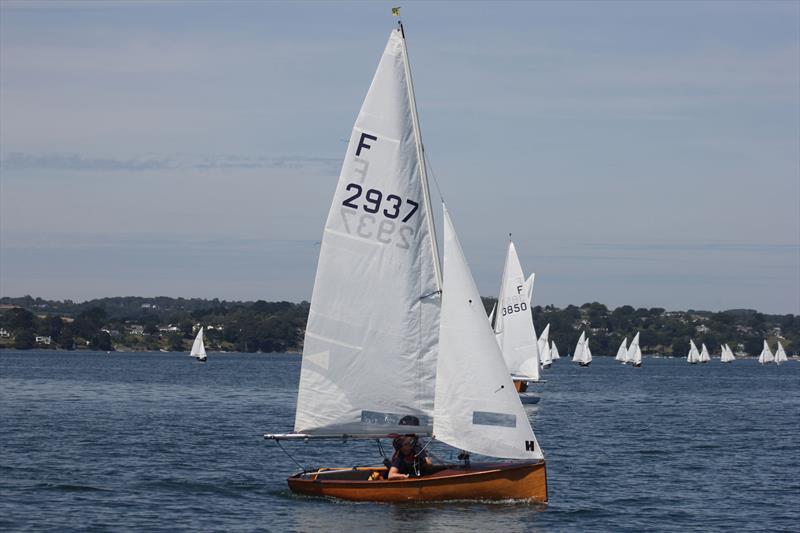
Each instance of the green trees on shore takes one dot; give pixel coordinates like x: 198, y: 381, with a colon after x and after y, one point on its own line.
x: 135, y: 323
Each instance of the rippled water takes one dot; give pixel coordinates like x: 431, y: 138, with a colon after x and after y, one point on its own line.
x: 158, y: 442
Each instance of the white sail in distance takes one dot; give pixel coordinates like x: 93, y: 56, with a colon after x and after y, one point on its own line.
x: 582, y: 354
x: 693, y: 355
x: 780, y: 354
x: 199, y: 347
x: 477, y: 408
x: 766, y: 355
x: 632, y: 347
x: 375, y: 306
x: 554, y: 351
x: 544, y: 346
x: 622, y: 351
x: 705, y: 357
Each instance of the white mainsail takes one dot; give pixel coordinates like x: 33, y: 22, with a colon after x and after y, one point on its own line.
x: 477, y: 408
x: 514, y: 328
x: 582, y: 353
x: 554, y: 351
x: 766, y: 355
x: 694, y: 355
x: 374, y: 316
x: 705, y: 357
x: 634, y: 353
x: 727, y: 355
x: 544, y: 347
x: 780, y: 354
x: 198, y: 347
x: 622, y: 351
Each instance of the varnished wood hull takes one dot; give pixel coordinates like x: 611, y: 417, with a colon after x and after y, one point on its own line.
x: 495, y: 481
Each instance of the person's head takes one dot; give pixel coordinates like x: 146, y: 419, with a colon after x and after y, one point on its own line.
x: 404, y: 444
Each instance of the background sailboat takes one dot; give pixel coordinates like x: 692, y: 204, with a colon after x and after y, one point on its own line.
x: 554, y: 356
x: 705, y: 357
x: 766, y: 355
x: 780, y: 354
x: 198, y: 348
x: 634, y: 353
x: 582, y: 355
x: 544, y: 347
x: 727, y: 355
x: 694, y: 356
x: 622, y: 351
x: 514, y: 329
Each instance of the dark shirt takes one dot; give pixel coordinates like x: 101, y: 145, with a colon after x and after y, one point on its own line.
x: 410, y: 464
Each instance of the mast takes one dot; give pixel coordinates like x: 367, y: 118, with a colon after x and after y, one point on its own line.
x: 421, y: 158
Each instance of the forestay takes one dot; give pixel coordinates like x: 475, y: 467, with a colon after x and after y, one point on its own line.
x: 370, y: 347
x: 477, y: 407
x: 516, y: 334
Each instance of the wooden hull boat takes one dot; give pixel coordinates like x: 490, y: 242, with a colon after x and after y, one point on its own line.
x: 489, y: 481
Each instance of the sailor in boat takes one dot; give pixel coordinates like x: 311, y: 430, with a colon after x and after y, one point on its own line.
x: 409, y: 459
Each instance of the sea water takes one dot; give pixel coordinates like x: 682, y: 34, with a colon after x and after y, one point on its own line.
x: 160, y: 442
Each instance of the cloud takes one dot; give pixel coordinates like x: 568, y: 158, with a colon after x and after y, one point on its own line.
x: 75, y: 162
x: 697, y: 247
x: 22, y: 161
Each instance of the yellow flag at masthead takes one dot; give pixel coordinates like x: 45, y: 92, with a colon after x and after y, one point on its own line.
x: 396, y: 11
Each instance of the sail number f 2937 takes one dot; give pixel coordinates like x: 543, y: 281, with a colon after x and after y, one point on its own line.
x: 373, y: 200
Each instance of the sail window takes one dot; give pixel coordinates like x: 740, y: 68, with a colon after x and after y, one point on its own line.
x: 393, y: 419
x: 484, y: 418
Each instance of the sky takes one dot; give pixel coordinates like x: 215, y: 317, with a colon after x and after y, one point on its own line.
x: 640, y: 153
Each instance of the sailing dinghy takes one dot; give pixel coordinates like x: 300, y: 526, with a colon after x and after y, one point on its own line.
x: 727, y: 355
x: 388, y: 348
x: 199, y: 348
x: 766, y: 355
x: 554, y: 355
x: 582, y: 355
x: 544, y: 348
x: 622, y: 351
x: 693, y: 357
x: 514, y: 328
x: 780, y: 354
x: 705, y: 357
x: 634, y: 353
